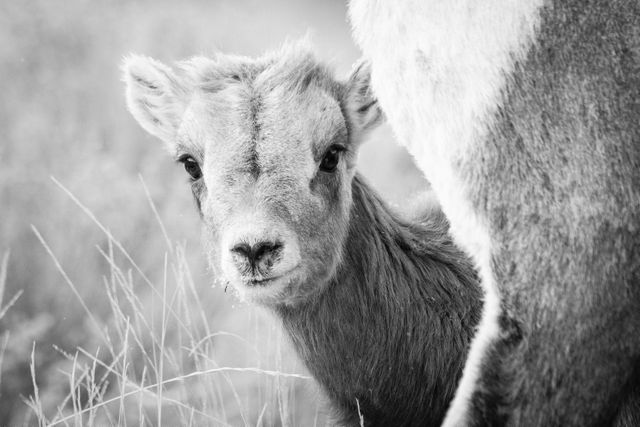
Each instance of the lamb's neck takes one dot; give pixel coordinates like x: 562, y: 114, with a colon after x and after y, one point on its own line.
x: 398, y: 315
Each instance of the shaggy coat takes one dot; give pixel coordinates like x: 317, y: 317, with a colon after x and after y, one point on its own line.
x: 391, y: 331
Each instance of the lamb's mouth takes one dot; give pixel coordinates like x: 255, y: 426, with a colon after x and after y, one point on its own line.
x: 261, y: 282
x: 266, y: 281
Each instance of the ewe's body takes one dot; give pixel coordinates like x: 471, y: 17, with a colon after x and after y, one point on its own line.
x: 381, y: 310
x: 525, y: 117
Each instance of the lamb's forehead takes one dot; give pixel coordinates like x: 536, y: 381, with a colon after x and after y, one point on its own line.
x: 287, y: 94
x: 294, y: 68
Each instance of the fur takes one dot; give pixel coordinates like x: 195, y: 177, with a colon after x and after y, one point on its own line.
x: 392, y: 328
x: 525, y: 118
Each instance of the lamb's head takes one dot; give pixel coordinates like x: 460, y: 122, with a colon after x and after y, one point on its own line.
x: 269, y: 145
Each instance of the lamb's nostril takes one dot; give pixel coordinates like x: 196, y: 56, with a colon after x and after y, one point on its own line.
x: 261, y: 251
x: 242, y: 249
x: 265, y: 249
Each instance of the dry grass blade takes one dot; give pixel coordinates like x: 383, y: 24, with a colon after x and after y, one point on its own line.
x: 69, y: 282
x: 35, y: 402
x: 157, y: 215
x: 3, y: 284
x: 12, y: 301
x: 3, y: 276
x: 3, y: 347
x: 360, y: 416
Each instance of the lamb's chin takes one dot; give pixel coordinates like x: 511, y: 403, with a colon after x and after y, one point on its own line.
x: 270, y: 291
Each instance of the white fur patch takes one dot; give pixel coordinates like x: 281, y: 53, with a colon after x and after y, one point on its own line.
x: 437, y: 69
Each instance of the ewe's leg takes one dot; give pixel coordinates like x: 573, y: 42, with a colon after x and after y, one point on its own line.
x: 578, y: 358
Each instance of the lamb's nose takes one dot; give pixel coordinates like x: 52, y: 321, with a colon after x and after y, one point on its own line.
x: 261, y: 252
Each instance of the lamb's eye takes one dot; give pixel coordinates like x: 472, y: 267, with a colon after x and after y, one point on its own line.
x: 331, y: 158
x: 191, y: 166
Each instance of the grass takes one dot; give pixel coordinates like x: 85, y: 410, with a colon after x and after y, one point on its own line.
x: 3, y: 309
x: 155, y: 362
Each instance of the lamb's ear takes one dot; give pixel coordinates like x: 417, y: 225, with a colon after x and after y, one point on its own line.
x: 362, y: 106
x: 155, y: 96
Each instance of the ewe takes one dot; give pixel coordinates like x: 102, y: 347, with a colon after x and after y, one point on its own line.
x: 525, y: 117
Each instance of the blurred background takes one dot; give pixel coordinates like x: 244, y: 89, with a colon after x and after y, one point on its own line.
x: 110, y: 293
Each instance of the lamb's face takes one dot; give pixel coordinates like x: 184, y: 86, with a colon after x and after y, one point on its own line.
x: 274, y: 190
x: 270, y: 158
